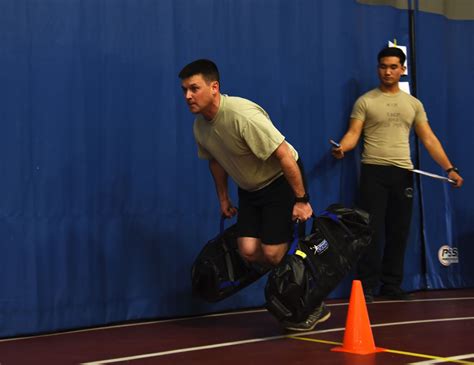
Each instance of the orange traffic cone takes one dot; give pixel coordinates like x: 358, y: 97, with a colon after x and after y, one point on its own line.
x: 358, y: 338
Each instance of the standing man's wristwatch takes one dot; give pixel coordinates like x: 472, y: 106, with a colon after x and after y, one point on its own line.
x: 455, y: 169
x: 302, y: 199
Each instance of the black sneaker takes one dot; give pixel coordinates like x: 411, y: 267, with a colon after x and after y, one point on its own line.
x: 320, y: 315
x: 396, y: 294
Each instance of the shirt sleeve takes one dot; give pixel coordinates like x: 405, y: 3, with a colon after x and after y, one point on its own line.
x: 420, y: 113
x: 359, y: 110
x: 262, y: 137
x: 203, y: 153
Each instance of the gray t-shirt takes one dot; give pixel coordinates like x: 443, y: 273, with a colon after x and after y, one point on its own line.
x: 242, y: 138
x: 388, y: 119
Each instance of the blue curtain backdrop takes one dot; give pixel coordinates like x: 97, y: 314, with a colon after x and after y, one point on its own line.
x: 445, y: 64
x: 103, y: 202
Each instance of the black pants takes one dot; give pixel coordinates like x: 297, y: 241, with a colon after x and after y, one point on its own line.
x: 386, y: 192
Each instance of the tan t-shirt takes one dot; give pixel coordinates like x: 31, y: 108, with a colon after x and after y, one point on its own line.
x: 242, y: 138
x: 388, y: 119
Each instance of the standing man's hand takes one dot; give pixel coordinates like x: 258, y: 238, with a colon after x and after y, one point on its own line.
x: 349, y: 140
x: 227, y: 209
x: 302, y: 211
x: 337, y: 152
x: 453, y: 175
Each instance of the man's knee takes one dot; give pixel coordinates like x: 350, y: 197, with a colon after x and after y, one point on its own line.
x: 274, y: 258
x: 251, y: 256
x: 250, y: 249
x: 274, y: 253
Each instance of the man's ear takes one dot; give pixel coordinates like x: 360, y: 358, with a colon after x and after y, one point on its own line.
x: 215, y: 87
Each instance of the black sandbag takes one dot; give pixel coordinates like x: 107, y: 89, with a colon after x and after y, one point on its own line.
x: 317, y: 263
x: 219, y: 271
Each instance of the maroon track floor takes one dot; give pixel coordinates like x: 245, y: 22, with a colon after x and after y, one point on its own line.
x: 435, y: 328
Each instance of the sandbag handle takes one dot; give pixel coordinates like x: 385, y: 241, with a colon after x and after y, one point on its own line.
x: 294, y: 243
x: 222, y: 224
x: 230, y: 268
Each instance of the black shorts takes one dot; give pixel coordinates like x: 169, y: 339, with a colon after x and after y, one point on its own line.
x: 267, y: 213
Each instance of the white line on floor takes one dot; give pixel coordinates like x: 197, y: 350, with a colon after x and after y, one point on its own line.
x: 254, y: 340
x: 224, y: 314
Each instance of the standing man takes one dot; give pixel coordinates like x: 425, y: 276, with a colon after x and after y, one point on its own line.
x: 239, y: 140
x: 385, y: 116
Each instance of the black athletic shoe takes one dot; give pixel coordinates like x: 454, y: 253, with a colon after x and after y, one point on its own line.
x: 319, y: 315
x: 395, y: 294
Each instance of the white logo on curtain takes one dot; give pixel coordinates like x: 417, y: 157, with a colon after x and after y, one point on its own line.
x: 448, y: 255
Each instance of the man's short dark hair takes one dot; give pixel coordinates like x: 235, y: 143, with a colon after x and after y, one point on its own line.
x: 206, y: 68
x: 392, y: 52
